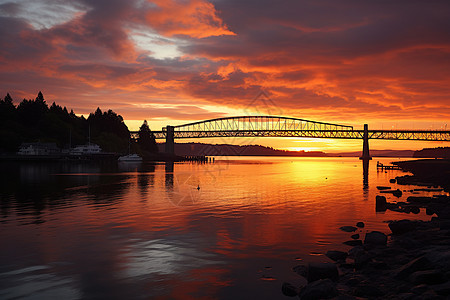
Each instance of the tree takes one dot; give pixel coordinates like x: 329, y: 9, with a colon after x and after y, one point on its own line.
x: 147, y: 140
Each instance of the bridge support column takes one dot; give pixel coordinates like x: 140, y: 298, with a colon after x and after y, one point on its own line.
x: 170, y: 141
x: 365, y: 153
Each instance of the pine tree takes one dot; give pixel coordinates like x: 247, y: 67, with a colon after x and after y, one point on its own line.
x: 147, y: 140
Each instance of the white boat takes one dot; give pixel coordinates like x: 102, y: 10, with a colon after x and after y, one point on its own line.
x: 130, y: 158
x: 86, y: 149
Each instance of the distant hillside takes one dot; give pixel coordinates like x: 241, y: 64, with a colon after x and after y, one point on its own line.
x: 440, y: 152
x: 192, y: 149
x: 377, y: 153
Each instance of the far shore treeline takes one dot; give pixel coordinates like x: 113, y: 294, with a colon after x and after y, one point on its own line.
x: 34, y: 121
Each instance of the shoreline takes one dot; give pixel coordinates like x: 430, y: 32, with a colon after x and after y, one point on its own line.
x: 412, y: 262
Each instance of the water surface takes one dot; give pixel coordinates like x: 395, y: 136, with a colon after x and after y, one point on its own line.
x: 230, y: 229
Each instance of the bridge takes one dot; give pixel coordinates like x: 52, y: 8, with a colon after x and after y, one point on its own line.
x: 277, y: 126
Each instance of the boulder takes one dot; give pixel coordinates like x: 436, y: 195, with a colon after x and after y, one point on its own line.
x: 368, y: 291
x: 419, y: 199
x: 414, y: 209
x: 320, y: 289
x: 348, y: 228
x: 353, y: 243
x: 301, y: 270
x: 336, y: 255
x: 419, y: 264
x: 289, y: 289
x: 392, y: 180
x: 380, y: 203
x: 318, y: 271
x: 427, y: 277
x: 402, y: 226
x: 375, y: 238
x: 360, y: 224
x: 355, y: 236
x: 397, y: 193
x: 361, y: 259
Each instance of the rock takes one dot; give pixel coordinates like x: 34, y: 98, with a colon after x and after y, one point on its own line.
x: 419, y: 199
x: 392, y: 180
x: 355, y: 250
x: 443, y: 213
x: 318, y: 271
x: 414, y: 209
x: 381, y: 188
x: 289, y: 290
x: 419, y: 264
x: 402, y: 226
x: 380, y: 203
x: 320, y: 289
x: 336, y: 255
x: 442, y: 289
x: 355, y: 236
x: 348, y: 228
x: 301, y: 270
x: 361, y: 258
x: 427, y: 277
x: 429, y: 211
x: 368, y: 291
x: 360, y: 224
x: 375, y: 238
x: 397, y: 193
x: 353, y: 243
x: 420, y: 289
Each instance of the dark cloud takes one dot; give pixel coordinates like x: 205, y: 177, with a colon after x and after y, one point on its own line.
x: 341, y: 59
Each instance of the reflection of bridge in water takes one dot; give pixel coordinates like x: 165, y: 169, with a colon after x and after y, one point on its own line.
x: 276, y: 126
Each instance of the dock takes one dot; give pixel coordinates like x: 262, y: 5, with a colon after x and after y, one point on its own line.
x: 387, y: 167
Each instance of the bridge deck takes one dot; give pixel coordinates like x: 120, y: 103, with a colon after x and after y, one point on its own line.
x: 418, y: 135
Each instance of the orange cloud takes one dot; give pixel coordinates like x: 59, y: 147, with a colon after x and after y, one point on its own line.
x: 194, y: 18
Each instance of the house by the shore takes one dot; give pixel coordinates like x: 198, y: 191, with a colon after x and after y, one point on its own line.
x: 38, y: 149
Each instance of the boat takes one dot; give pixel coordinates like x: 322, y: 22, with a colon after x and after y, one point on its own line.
x: 86, y: 149
x: 130, y: 158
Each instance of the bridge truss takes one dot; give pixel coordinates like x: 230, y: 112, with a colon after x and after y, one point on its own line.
x: 275, y: 126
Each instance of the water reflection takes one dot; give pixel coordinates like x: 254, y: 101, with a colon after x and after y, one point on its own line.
x: 112, y: 231
x: 169, y: 175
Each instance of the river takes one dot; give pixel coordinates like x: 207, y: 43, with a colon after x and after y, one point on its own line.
x: 232, y: 229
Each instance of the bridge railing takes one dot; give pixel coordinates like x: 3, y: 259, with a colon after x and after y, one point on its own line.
x: 253, y: 123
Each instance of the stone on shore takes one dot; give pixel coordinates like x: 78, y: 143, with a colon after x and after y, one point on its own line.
x: 419, y: 199
x: 348, y: 228
x: 289, y: 289
x: 397, y: 193
x: 360, y: 224
x: 427, y: 277
x: 336, y: 255
x: 318, y: 271
x: 375, y: 238
x: 368, y: 291
x: 320, y: 289
x: 353, y: 243
x: 301, y: 270
x: 355, y: 236
x: 402, y: 226
x: 419, y: 264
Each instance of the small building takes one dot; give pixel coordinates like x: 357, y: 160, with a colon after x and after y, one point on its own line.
x: 30, y: 149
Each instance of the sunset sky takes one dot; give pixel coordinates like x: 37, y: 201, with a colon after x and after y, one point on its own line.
x: 385, y: 63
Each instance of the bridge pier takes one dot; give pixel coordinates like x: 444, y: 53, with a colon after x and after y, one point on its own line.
x: 365, y: 153
x: 170, y: 140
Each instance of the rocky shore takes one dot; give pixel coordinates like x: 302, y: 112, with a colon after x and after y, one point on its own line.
x: 412, y: 262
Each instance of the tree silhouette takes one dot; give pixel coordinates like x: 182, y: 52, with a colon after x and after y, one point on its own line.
x: 147, y: 140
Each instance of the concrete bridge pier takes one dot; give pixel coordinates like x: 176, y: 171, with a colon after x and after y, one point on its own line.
x: 170, y: 140
x: 365, y: 153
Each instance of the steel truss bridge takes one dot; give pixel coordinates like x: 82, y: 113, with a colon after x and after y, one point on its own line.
x: 277, y: 126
